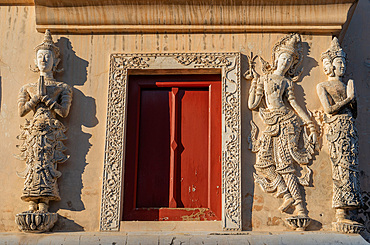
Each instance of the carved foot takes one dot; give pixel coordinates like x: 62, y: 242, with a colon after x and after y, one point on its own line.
x: 348, y: 226
x: 32, y: 206
x: 43, y: 207
x: 298, y: 223
x: 35, y: 222
x: 286, y: 204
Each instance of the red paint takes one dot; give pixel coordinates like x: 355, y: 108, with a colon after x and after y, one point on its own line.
x: 173, y: 148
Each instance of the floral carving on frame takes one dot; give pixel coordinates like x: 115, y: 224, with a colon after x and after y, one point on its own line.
x: 120, y: 66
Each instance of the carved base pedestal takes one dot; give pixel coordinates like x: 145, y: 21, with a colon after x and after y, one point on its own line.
x: 35, y: 221
x: 344, y: 227
x: 298, y: 223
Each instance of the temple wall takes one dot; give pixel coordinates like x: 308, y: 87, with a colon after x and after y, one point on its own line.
x: 85, y: 59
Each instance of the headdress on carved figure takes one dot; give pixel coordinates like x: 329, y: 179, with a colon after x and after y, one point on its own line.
x: 334, y: 51
x: 48, y: 44
x: 290, y: 44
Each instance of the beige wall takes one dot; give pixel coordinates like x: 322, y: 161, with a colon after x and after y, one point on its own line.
x: 86, y: 64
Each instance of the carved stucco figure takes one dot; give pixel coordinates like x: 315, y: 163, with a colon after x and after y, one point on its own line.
x: 340, y: 107
x: 277, y: 148
x: 42, y: 148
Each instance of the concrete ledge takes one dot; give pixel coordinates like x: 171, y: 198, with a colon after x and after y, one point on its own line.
x: 117, y: 238
x: 169, y: 226
x: 210, y: 16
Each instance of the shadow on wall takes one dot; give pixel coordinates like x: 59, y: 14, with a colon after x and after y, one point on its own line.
x: 82, y: 113
x: 248, y: 158
x: 0, y: 90
x: 65, y: 224
x: 308, y: 64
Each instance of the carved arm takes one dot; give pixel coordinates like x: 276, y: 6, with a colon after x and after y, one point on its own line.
x: 330, y: 109
x: 255, y: 94
x: 301, y: 113
x: 61, y: 108
x: 25, y: 103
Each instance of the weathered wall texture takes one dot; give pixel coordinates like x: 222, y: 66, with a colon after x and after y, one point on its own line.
x: 86, y: 64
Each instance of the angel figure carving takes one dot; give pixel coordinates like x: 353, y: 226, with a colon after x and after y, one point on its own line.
x: 340, y: 107
x: 42, y: 148
x: 277, y: 147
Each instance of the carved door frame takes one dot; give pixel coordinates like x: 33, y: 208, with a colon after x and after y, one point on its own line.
x: 121, y: 66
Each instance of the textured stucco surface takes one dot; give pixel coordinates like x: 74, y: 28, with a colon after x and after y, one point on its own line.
x: 86, y: 64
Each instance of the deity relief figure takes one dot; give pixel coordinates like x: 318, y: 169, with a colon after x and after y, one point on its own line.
x: 42, y: 136
x: 339, y: 103
x: 277, y: 148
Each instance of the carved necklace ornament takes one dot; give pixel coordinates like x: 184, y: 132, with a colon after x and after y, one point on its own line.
x: 42, y: 148
x: 339, y: 103
x: 277, y: 148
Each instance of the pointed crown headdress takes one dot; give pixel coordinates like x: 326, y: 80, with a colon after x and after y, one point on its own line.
x: 292, y: 45
x: 48, y: 44
x: 334, y: 51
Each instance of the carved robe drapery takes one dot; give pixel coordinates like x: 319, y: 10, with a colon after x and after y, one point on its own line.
x: 277, y: 147
x: 42, y: 146
x: 342, y: 138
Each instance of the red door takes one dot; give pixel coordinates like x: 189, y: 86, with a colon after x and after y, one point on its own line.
x: 173, y: 148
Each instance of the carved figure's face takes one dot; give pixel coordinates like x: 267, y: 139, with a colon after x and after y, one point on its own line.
x: 339, y: 66
x: 45, y: 60
x: 328, y: 67
x: 284, y: 62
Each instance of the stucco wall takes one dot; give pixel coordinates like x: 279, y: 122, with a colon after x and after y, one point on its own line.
x: 85, y: 59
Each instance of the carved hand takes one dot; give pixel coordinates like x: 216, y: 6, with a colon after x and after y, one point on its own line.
x: 44, y: 98
x: 48, y: 101
x: 351, y: 94
x: 251, y: 74
x: 35, y: 99
x: 313, y: 137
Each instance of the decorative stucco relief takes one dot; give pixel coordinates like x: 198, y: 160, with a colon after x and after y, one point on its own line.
x: 277, y: 147
x: 340, y: 107
x: 120, y: 65
x: 42, y: 137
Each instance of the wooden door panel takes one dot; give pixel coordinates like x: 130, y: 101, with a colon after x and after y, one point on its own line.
x: 164, y: 180
x: 215, y: 192
x: 153, y: 168
x: 193, y: 159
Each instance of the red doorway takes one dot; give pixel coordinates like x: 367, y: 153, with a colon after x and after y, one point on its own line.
x: 173, y: 148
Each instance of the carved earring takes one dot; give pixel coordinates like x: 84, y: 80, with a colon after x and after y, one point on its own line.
x: 36, y: 69
x: 55, y: 65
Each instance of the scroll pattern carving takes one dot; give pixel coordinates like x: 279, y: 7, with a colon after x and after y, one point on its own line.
x: 112, y: 176
x: 116, y: 114
x: 203, y: 60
